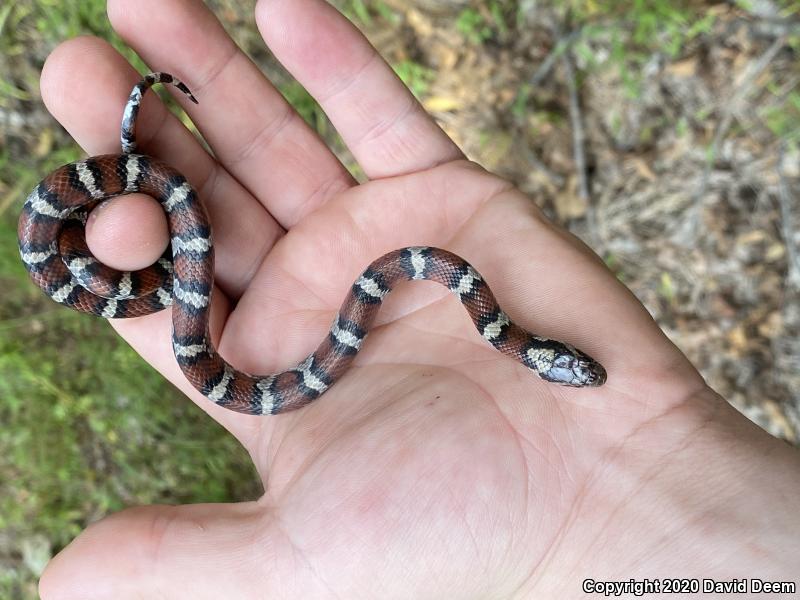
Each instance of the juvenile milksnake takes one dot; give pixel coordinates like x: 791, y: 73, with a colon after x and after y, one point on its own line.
x: 53, y: 247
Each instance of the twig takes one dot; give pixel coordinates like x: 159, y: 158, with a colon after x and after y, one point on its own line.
x: 556, y: 180
x: 755, y: 69
x: 784, y: 199
x: 576, y: 120
x: 558, y: 50
x: 575, y: 117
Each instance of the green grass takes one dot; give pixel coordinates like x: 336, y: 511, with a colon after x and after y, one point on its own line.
x: 88, y: 428
x: 783, y: 118
x: 474, y: 26
x: 365, y: 12
x: 306, y: 106
x: 637, y: 29
x: 417, y: 77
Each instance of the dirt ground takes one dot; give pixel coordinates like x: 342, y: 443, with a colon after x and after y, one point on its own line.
x: 693, y: 178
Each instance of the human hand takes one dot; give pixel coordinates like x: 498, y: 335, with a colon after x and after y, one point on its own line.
x: 436, y: 468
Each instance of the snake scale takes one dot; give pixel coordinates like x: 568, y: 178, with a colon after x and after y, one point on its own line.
x: 53, y: 247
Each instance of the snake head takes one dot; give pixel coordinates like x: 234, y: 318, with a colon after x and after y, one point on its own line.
x: 561, y: 363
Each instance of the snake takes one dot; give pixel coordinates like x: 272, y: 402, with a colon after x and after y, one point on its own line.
x: 53, y: 248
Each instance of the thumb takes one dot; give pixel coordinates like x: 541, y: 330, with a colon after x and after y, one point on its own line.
x: 193, y: 551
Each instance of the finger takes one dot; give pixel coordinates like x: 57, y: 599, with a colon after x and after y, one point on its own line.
x: 253, y: 131
x: 195, y: 551
x: 85, y: 84
x: 387, y: 130
x: 118, y: 245
x: 91, y: 111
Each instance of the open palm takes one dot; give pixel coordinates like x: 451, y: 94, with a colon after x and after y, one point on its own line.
x: 436, y: 467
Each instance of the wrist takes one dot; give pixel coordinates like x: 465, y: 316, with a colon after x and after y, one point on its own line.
x: 698, y: 492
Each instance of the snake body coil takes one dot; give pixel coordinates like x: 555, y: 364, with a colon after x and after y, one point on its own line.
x: 53, y: 247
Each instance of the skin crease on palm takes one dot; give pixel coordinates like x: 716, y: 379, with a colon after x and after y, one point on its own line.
x: 436, y: 468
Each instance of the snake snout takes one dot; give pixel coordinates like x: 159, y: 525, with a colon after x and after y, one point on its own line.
x: 589, y: 372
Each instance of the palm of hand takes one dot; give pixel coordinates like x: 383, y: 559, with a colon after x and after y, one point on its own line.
x: 435, y: 459
x: 413, y: 454
x: 434, y: 441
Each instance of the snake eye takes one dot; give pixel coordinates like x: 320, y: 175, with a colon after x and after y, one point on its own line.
x: 563, y: 361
